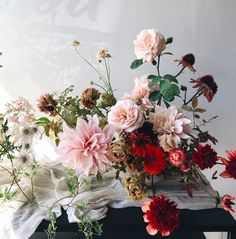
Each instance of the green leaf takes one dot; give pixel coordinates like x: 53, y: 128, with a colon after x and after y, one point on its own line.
x: 170, y: 78
x: 169, y: 40
x: 200, y: 110
x: 155, y: 95
x: 43, y: 121
x: 194, y: 102
x: 187, y: 108
x: 136, y: 63
x: 164, y: 85
x: 154, y: 80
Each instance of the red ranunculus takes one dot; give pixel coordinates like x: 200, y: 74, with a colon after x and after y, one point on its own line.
x: 138, y: 143
x: 226, y: 203
x: 154, y: 161
x: 177, y: 157
x: 204, y: 157
x: 161, y: 214
x: 230, y: 165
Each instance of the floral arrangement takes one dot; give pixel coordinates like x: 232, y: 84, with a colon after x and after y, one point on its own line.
x: 139, y: 137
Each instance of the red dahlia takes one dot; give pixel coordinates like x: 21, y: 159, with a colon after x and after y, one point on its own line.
x: 177, y: 157
x: 204, y: 157
x: 138, y: 143
x: 161, y: 214
x: 230, y: 165
x: 155, y: 162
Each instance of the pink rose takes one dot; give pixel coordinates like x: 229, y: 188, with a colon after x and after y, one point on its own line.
x: 141, y: 92
x: 126, y: 115
x: 149, y: 44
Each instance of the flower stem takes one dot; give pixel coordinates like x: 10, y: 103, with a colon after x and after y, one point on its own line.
x: 180, y: 72
x: 158, y: 65
x: 153, y: 189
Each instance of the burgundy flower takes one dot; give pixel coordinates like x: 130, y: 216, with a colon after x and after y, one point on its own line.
x: 204, y: 157
x: 206, y: 85
x: 161, y: 214
x: 138, y: 143
x: 230, y: 165
x: 155, y: 162
x: 188, y: 61
x: 226, y: 203
x: 177, y: 157
x: 185, y: 167
x: 47, y: 104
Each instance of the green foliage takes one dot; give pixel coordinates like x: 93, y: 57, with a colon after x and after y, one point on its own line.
x: 51, y: 230
x: 136, y: 63
x: 86, y: 225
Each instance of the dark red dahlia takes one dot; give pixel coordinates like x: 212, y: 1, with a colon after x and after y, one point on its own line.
x: 177, y: 157
x: 230, y: 165
x: 161, y: 214
x: 155, y: 162
x: 204, y: 157
x: 138, y: 143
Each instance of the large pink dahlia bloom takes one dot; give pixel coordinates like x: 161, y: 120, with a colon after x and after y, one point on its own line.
x: 85, y: 147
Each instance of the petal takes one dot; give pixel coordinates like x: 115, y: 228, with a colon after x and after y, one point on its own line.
x: 145, y: 206
x: 151, y: 231
x: 145, y: 218
x: 225, y: 174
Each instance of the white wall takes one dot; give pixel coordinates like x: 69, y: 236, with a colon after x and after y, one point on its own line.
x: 35, y: 38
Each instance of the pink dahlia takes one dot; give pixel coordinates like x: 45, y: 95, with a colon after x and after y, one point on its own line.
x: 170, y: 125
x: 85, y: 147
x: 161, y: 214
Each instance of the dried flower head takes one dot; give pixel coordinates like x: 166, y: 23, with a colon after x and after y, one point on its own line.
x: 102, y: 53
x: 47, y: 104
x: 187, y: 61
x: 75, y: 43
x: 89, y: 97
x: 135, y: 189
x: 206, y: 85
x: 119, y: 150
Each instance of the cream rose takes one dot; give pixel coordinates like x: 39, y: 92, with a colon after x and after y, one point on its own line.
x: 126, y: 115
x: 149, y: 44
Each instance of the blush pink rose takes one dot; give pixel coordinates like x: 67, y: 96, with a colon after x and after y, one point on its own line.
x: 149, y: 44
x: 85, y: 147
x: 126, y: 115
x: 141, y: 92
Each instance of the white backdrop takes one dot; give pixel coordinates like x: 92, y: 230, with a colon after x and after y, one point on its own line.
x: 37, y: 56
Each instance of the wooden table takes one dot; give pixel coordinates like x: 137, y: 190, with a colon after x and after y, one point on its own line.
x: 128, y: 224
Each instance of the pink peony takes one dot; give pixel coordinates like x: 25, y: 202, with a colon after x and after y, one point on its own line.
x: 126, y: 115
x: 149, y: 44
x: 141, y: 93
x: 170, y: 125
x: 85, y: 147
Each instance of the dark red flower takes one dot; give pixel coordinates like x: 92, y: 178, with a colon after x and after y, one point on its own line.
x: 230, y: 165
x: 226, y: 203
x: 154, y: 161
x: 161, y: 214
x: 204, y: 157
x: 185, y: 167
x: 188, y: 61
x: 138, y: 143
x: 206, y: 85
x: 177, y: 157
